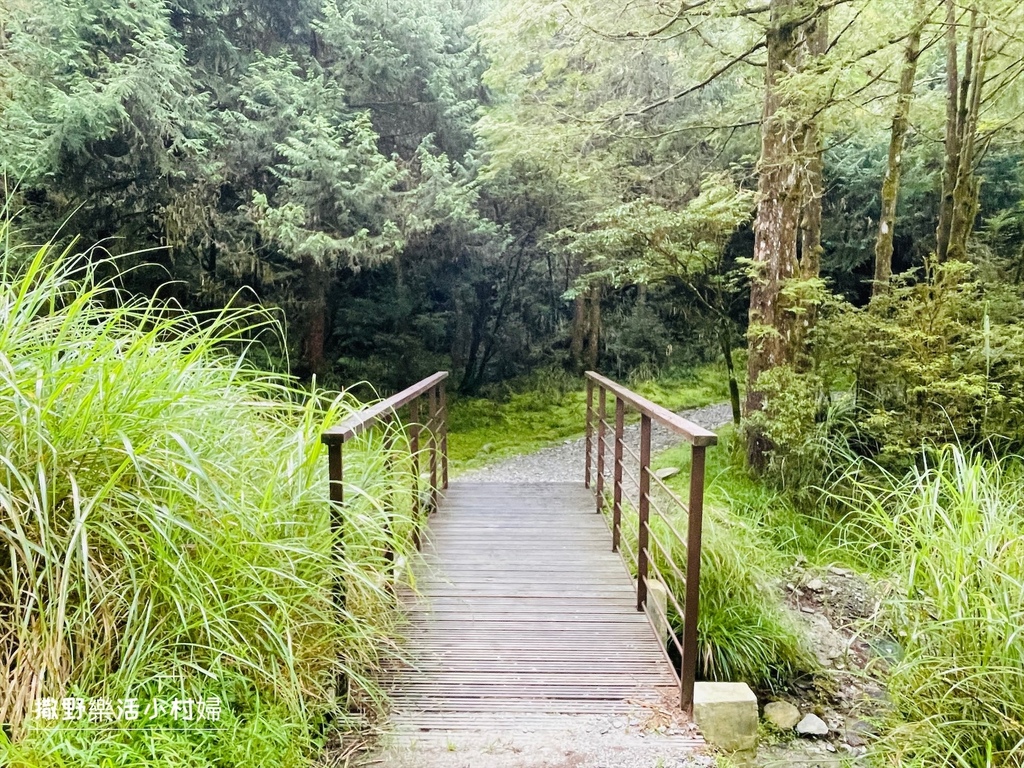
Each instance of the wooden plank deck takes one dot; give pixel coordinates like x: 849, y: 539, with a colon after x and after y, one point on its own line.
x: 525, y: 619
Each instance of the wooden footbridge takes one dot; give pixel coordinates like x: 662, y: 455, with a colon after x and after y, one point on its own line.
x: 525, y: 615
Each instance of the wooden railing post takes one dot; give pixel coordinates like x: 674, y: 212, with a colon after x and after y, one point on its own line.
x: 336, y: 475
x: 389, y: 504
x: 589, y: 431
x: 414, y: 456
x: 432, y: 410
x: 620, y: 419
x: 644, y: 510
x: 336, y: 491
x: 687, y: 674
x: 444, y: 435
x: 602, y: 416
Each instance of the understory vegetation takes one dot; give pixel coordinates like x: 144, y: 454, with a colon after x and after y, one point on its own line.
x: 949, y: 538
x: 165, y: 534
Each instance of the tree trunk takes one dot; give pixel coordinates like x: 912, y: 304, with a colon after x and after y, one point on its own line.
x: 815, y: 45
x: 952, y: 140
x: 725, y: 336
x: 579, y: 331
x: 968, y: 185
x: 594, y: 327
x: 960, y: 184
x: 776, y: 227
x: 473, y: 374
x: 812, y: 46
x: 894, y: 165
x: 315, y: 338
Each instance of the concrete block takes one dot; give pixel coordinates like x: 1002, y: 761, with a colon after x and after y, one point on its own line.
x: 657, y: 608
x: 726, y: 714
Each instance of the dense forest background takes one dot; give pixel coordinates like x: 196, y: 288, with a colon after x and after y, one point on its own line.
x: 505, y: 189
x: 424, y: 184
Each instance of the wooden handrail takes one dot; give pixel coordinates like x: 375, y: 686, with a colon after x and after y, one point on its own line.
x: 362, y: 420
x: 641, y: 559
x: 694, y: 433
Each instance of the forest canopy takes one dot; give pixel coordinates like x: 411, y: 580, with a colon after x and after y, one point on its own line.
x: 501, y: 189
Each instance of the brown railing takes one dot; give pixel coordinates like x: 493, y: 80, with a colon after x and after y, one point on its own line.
x: 435, y: 429
x: 655, y: 556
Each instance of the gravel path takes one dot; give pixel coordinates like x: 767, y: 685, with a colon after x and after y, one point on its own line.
x: 565, y: 462
x: 580, y: 747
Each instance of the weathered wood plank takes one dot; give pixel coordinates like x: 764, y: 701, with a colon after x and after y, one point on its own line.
x: 524, y: 616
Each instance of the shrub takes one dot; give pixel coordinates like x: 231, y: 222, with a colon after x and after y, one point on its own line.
x: 934, y: 361
x: 950, y: 537
x: 164, y: 531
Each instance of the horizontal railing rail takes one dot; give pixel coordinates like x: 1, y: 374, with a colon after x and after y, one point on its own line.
x: 652, y: 554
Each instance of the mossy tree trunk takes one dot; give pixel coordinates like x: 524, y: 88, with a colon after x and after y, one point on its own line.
x: 968, y: 184
x: 579, y: 332
x: 894, y: 164
x: 777, y: 224
x: 960, y: 184
x: 314, y: 339
x: 725, y: 337
x: 594, y: 328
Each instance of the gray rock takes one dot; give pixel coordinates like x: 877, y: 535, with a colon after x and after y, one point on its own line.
x: 812, y: 725
x: 782, y: 715
x: 666, y: 472
x: 857, y: 732
x: 816, y: 585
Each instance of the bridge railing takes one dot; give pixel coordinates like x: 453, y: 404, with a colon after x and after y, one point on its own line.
x: 661, y: 551
x: 426, y: 425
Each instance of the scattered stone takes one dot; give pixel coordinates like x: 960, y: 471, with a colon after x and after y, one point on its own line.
x: 812, y: 725
x: 840, y: 571
x: 857, y: 732
x: 782, y: 715
x: 666, y: 472
x: 816, y: 585
x: 618, y: 723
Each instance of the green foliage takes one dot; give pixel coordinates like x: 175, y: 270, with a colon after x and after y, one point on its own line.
x: 949, y: 536
x: 267, y: 147
x: 643, y: 242
x: 95, y: 79
x: 166, y: 531
x: 937, y: 360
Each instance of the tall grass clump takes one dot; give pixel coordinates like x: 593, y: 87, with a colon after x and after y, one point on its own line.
x: 165, y: 533
x: 744, y: 633
x: 950, y: 536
